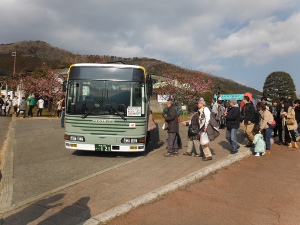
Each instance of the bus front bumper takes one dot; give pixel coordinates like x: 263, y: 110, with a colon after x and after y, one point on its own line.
x: 105, y: 148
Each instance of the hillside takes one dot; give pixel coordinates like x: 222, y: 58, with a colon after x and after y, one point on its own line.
x: 32, y: 54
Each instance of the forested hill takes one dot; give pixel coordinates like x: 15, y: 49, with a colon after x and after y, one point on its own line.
x: 33, y: 54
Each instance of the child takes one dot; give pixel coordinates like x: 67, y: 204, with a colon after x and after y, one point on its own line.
x: 259, y: 143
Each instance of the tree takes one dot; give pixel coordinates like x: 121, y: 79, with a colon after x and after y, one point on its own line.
x: 187, y: 87
x: 279, y: 84
x: 43, y: 82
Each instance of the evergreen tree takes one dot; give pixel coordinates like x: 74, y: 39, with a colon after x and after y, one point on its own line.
x: 279, y: 84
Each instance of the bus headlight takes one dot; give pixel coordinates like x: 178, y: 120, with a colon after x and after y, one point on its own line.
x: 74, y: 138
x: 133, y: 140
x: 125, y: 140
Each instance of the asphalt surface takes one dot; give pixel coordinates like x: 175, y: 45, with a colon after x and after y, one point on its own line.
x: 257, y: 190
x: 92, y: 195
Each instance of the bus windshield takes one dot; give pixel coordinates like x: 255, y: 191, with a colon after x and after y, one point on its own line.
x: 103, y: 97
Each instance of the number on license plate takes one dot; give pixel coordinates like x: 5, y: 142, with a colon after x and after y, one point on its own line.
x: 102, y: 148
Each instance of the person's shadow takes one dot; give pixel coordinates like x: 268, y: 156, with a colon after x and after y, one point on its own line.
x: 73, y: 214
x: 33, y: 211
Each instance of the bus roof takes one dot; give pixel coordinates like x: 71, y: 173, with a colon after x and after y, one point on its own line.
x: 110, y: 65
x: 117, y: 65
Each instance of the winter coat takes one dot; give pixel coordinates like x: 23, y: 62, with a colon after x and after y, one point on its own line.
x: 248, y: 112
x: 233, y: 117
x: 259, y: 143
x: 207, y: 119
x: 266, y: 119
x: 172, y: 120
x: 151, y: 122
x: 290, y: 114
x: 32, y: 101
x: 221, y: 110
x: 297, y: 113
x: 23, y: 105
x: 40, y: 103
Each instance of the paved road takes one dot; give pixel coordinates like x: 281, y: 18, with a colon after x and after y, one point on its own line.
x: 119, y: 189
x: 258, y: 190
x: 4, y: 124
x: 42, y: 164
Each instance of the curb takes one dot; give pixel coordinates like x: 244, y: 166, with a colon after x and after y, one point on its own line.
x: 105, y: 217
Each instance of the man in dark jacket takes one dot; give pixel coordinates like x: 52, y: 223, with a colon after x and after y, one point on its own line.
x: 233, y: 123
x: 248, y: 114
x: 173, y: 128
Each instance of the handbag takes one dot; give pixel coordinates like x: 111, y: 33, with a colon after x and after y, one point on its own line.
x: 273, y: 124
x: 290, y: 121
x: 193, y: 130
x: 165, y: 126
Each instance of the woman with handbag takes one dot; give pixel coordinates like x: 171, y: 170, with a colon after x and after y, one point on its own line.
x: 289, y: 124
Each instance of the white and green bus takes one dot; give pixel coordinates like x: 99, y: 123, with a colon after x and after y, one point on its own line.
x: 106, y: 107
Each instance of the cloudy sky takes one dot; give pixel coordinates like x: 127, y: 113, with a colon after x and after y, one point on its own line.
x: 241, y: 40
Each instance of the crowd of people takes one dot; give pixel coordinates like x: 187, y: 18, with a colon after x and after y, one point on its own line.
x: 260, y: 121
x: 18, y: 106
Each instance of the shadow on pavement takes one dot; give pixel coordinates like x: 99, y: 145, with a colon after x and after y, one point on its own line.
x: 73, y: 214
x: 33, y: 211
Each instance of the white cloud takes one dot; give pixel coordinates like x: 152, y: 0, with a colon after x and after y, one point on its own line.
x: 203, y: 34
x: 261, y: 41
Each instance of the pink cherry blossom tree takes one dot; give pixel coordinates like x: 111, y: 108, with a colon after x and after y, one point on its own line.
x: 187, y: 86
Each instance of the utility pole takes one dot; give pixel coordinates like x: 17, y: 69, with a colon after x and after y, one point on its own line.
x: 14, y: 54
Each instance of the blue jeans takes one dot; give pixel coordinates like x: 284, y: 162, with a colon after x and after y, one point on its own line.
x: 62, y: 118
x: 267, y: 133
x: 231, y: 136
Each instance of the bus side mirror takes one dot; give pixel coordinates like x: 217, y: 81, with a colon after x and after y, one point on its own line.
x: 64, y: 86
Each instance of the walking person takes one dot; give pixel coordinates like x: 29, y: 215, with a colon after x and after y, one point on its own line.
x: 8, y: 105
x: 193, y: 134
x: 289, y: 123
x: 220, y: 115
x: 15, y: 103
x: 40, y: 106
x: 248, y: 114
x: 204, y: 118
x: 173, y: 128
x: 62, y: 117
x: 58, y: 111
x: 2, y: 105
x: 214, y: 107
x: 22, y: 107
x: 32, y: 103
x: 266, y: 124
x: 232, y: 115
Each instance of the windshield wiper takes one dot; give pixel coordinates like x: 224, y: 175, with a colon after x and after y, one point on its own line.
x: 116, y: 111
x: 98, y: 104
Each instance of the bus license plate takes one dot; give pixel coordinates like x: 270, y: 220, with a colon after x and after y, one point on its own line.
x: 102, y: 148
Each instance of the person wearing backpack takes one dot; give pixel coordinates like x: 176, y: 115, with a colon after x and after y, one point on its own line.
x: 193, y: 134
